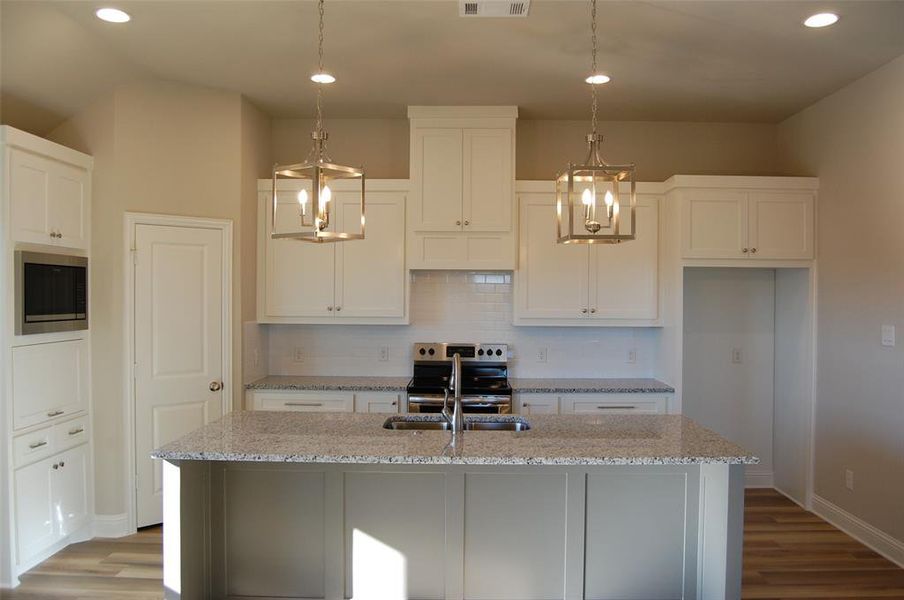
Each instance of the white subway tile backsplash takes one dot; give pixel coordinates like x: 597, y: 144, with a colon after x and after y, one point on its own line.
x: 462, y: 306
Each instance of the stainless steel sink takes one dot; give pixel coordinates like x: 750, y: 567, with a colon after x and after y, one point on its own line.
x: 440, y: 424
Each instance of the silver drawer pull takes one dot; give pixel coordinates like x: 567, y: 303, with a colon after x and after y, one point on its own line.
x: 36, y: 445
x: 303, y: 404
x: 55, y: 413
x: 76, y: 431
x: 616, y: 407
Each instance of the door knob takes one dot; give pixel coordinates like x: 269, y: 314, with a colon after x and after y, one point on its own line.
x: 215, y: 386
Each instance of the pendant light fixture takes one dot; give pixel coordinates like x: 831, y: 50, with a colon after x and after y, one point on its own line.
x: 310, y: 213
x: 589, y: 196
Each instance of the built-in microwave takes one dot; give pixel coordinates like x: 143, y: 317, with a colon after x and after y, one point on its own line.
x: 51, y: 292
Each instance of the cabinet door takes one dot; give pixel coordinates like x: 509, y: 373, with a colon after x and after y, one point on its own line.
x: 437, y: 174
x: 29, y: 186
x: 48, y: 381
x: 552, y: 279
x: 624, y: 278
x: 34, y: 510
x: 488, y: 179
x: 67, y: 205
x: 714, y: 224
x: 370, y: 273
x: 69, y: 490
x: 538, y: 404
x: 780, y: 225
x: 377, y: 402
x: 299, y: 275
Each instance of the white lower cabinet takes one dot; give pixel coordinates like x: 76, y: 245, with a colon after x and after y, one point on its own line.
x: 537, y: 404
x: 614, y: 404
x: 302, y: 401
x: 52, y: 501
x: 378, y: 402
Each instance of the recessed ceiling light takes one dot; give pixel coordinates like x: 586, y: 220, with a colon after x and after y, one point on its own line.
x: 821, y: 20
x: 322, y: 78
x: 598, y: 79
x: 113, y: 15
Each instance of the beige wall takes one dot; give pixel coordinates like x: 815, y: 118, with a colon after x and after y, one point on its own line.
x: 660, y: 149
x: 853, y: 141
x: 160, y: 148
x: 256, y: 163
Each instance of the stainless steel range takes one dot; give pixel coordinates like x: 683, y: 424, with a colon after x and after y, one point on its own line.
x: 484, y: 382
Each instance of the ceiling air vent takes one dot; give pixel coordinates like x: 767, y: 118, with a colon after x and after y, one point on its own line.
x: 494, y: 8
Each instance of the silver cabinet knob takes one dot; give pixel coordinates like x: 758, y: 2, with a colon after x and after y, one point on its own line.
x: 592, y: 311
x: 338, y: 308
x: 56, y: 466
x: 584, y: 311
x: 753, y: 250
x: 215, y: 386
x: 458, y: 222
x: 467, y: 222
x: 329, y: 308
x: 744, y: 250
x: 62, y: 464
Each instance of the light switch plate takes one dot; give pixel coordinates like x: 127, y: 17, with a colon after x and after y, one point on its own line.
x: 888, y: 336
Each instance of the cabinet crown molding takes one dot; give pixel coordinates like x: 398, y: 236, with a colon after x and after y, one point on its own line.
x: 462, y: 112
x: 741, y: 182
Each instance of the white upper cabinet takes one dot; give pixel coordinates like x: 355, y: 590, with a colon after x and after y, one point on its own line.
x: 351, y: 282
x: 578, y: 284
x: 462, y: 182
x: 49, y: 198
x: 746, y: 217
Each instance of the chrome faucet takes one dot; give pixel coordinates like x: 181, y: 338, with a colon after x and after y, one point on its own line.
x: 454, y: 417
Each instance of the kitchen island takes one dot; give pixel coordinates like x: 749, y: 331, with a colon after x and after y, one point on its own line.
x: 302, y: 505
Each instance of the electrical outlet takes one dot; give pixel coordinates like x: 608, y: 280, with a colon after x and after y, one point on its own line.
x: 736, y: 356
x: 384, y: 353
x: 541, y: 355
x: 632, y: 356
x: 298, y: 354
x: 888, y: 336
x: 849, y: 479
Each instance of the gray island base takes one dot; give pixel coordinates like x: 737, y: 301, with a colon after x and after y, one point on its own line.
x: 333, y: 506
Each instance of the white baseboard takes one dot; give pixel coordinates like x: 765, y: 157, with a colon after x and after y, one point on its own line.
x: 878, y: 540
x: 112, y: 526
x: 758, y: 479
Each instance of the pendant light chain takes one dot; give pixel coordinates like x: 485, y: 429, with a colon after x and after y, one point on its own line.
x: 593, y: 67
x: 320, y: 68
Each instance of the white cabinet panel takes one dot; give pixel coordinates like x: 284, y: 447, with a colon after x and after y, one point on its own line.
x: 35, y: 523
x: 538, y: 404
x: 382, y: 558
x: 552, y: 281
x: 48, y: 201
x: 613, y: 404
x: 437, y: 161
x: 370, y: 273
x: 69, y: 489
x: 303, y: 401
x: 71, y: 433
x: 624, y: 278
x: 488, y: 179
x: 48, y: 381
x: 635, y: 529
x: 781, y: 225
x: 377, y: 402
x: 515, y: 528
x: 33, y: 446
x: 714, y: 224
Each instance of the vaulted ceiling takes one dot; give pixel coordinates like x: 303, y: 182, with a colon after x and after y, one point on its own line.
x: 669, y: 60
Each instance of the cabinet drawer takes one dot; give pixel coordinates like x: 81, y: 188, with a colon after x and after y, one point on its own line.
x: 305, y: 401
x: 33, y: 446
x: 71, y: 433
x: 538, y: 404
x: 49, y: 381
x: 613, y: 404
x: 377, y: 402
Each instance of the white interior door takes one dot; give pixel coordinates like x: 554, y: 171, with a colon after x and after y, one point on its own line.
x: 179, y: 303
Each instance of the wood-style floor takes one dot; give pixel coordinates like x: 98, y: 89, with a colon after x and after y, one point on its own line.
x: 789, y: 554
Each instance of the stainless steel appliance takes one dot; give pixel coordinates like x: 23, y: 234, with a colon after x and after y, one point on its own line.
x: 51, y: 292
x: 484, y: 380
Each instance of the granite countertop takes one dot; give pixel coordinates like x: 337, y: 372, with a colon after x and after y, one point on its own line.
x: 398, y: 384
x: 360, y: 438
x: 589, y: 386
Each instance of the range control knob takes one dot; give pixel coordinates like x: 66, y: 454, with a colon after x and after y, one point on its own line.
x: 480, y: 352
x: 422, y: 351
x: 498, y: 352
x: 431, y: 351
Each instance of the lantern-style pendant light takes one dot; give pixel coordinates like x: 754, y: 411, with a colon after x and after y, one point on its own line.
x: 590, y: 197
x: 310, y: 213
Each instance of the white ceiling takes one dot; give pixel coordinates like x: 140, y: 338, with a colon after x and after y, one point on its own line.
x: 676, y: 60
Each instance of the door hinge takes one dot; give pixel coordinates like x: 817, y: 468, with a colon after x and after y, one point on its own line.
x: 134, y: 256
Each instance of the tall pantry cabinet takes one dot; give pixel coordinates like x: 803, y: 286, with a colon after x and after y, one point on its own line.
x: 47, y: 498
